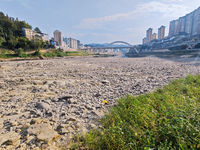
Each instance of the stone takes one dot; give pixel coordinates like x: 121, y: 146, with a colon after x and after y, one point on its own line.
x: 36, y: 121
x: 42, y: 105
x: 14, y: 139
x: 12, y: 136
x: 13, y: 99
x: 71, y: 118
x: 99, y: 114
x: 105, y: 82
x: 37, y: 128
x: 47, y: 135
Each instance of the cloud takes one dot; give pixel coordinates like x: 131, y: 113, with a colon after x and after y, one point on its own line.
x: 141, y: 10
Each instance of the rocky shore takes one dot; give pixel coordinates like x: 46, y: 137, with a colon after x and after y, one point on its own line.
x: 44, y: 103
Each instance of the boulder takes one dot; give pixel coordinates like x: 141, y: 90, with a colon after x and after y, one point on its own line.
x: 42, y: 105
x: 47, y: 135
x: 37, y: 128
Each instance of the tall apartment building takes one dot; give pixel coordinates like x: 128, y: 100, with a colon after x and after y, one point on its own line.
x: 161, y: 33
x: 149, y: 35
x: 58, y: 37
x: 189, y: 23
x: 72, y: 43
x: 181, y: 24
x: 176, y: 27
x: 171, y: 28
x: 144, y: 41
x: 154, y: 36
x: 196, y: 22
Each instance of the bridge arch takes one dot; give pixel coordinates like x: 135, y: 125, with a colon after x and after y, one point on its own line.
x: 119, y: 42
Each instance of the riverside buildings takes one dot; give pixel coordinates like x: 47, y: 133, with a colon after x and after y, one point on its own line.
x: 189, y: 24
x: 161, y: 33
x: 30, y: 34
x: 149, y: 35
x: 154, y: 36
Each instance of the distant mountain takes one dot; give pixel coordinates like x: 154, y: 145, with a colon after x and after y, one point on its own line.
x: 103, y: 45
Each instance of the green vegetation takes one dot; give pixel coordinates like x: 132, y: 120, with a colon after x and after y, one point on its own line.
x: 60, y: 53
x: 5, y: 53
x: 168, y: 118
x: 11, y: 35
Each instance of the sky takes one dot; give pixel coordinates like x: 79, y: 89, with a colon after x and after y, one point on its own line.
x: 99, y: 21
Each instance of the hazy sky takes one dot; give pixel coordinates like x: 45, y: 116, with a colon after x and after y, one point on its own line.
x: 99, y: 21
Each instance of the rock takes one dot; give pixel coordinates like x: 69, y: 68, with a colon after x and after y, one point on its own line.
x: 97, y: 94
x: 66, y: 97
x: 10, y: 135
x: 2, y: 130
x: 55, y: 99
x: 71, y: 118
x: 37, y: 128
x: 16, y: 98
x: 72, y: 101
x: 14, y: 139
x: 105, y: 82
x: 99, y: 114
x: 42, y: 105
x: 36, y: 121
x: 47, y: 135
x: 49, y: 147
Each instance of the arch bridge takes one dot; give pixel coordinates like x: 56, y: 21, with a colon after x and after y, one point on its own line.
x: 129, y: 46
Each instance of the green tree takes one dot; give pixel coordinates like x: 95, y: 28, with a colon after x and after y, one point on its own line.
x: 1, y: 32
x: 23, y: 42
x: 1, y: 41
x: 37, y: 44
x: 12, y: 42
x: 37, y: 30
x: 19, y: 52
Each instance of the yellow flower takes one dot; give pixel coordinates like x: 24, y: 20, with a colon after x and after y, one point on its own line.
x: 135, y: 134
x: 105, y: 102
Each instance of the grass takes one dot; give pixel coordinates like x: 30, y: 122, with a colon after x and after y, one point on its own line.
x: 57, y: 53
x: 168, y: 118
x: 4, y: 53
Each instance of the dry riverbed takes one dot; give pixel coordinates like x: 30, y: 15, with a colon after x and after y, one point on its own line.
x: 44, y: 103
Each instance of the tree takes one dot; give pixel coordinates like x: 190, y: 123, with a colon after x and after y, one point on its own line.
x: 23, y: 42
x: 1, y: 32
x: 12, y: 42
x: 1, y: 41
x: 37, y: 30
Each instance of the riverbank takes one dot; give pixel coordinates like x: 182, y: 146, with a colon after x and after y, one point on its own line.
x: 65, y: 96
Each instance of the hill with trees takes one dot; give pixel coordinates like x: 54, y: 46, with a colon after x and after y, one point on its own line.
x: 11, y: 35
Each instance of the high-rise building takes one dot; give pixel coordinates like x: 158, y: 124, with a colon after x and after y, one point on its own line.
x: 161, y: 33
x: 58, y: 37
x: 176, y: 28
x: 154, y: 36
x: 181, y: 24
x: 189, y: 23
x: 144, y: 41
x: 171, y: 28
x: 149, y: 35
x: 196, y: 22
